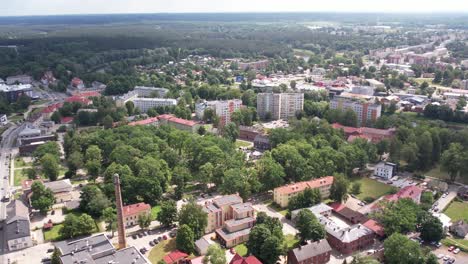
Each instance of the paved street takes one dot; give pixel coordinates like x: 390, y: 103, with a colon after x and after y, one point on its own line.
x: 443, y: 202
x: 288, y: 228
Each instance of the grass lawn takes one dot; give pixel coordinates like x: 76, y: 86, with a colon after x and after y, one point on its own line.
x: 242, y: 143
x: 155, y: 211
x: 19, y: 163
x: 458, y: 242
x: 372, y: 188
x: 160, y: 250
x: 291, y: 241
x: 53, y: 233
x: 19, y: 177
x: 241, y: 249
x: 278, y: 209
x: 436, y: 172
x: 457, y: 211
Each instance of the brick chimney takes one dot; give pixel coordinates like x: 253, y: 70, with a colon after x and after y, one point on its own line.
x: 120, y: 221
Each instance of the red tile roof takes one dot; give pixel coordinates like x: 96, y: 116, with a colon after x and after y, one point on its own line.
x: 237, y: 259
x: 301, y: 186
x: 78, y: 99
x: 173, y: 119
x: 174, y: 256
x: 66, y: 120
x: 375, y: 226
x: 372, y: 134
x: 52, y: 108
x: 88, y: 94
x: 135, y: 208
x: 76, y: 81
x: 411, y: 192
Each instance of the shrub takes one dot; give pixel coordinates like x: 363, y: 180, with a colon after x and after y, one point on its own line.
x: 369, y: 199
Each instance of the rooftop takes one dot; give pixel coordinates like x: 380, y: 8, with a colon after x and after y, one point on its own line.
x: 174, y: 256
x: 242, y: 207
x: 227, y: 200
x: 144, y: 122
x: 226, y: 235
x: 301, y: 186
x: 59, y: 186
x: 135, y: 208
x: 412, y: 192
x: 17, y: 222
x: 311, y: 250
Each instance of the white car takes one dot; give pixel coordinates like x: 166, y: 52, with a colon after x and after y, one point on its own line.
x: 444, y: 195
x: 440, y: 256
x: 456, y: 251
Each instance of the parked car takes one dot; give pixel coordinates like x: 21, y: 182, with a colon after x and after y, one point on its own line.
x: 140, y: 235
x: 440, y: 256
x: 50, y: 250
x: 155, y: 240
x: 172, y: 234
x: 134, y: 236
x: 159, y: 238
x: 451, y: 248
x: 456, y: 251
x: 165, y: 237
x: 151, y: 243
x: 445, y: 258
x: 444, y: 195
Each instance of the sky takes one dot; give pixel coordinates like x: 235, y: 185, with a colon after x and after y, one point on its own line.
x: 61, y: 7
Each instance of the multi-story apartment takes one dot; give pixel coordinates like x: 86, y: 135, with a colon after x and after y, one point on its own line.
x: 144, y: 91
x: 13, y: 92
x: 385, y: 170
x: 223, y: 109
x: 178, y: 123
x: 133, y: 211
x: 282, y: 195
x: 230, y: 218
x: 363, y: 107
x: 21, y: 79
x: 279, y: 105
x: 144, y: 104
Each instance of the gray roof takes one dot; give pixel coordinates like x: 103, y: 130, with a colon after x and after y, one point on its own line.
x: 316, y: 209
x: 311, y: 250
x: 236, y: 222
x: 59, y: 186
x: 29, y: 131
x: 97, y: 250
x: 225, y: 234
x: 345, y: 235
x: 227, y: 200
x: 17, y: 222
x: 242, y: 207
x: 202, y: 245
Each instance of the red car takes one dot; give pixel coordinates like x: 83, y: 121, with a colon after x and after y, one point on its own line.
x: 451, y: 248
x: 165, y: 237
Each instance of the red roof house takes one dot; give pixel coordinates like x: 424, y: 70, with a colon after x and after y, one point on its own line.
x: 77, y: 82
x: 411, y: 192
x: 237, y: 259
x: 371, y: 134
x: 66, y: 120
x: 175, y: 257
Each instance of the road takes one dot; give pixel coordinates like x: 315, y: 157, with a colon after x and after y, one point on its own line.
x: 443, y: 202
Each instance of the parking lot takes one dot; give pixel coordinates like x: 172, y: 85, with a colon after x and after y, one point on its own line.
x: 139, y: 240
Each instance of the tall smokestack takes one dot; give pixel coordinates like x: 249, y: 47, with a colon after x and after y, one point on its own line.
x: 120, y: 222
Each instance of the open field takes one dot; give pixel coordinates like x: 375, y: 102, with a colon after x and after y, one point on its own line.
x: 19, y: 163
x: 291, y: 241
x: 372, y: 188
x: 19, y: 177
x: 160, y: 250
x: 155, y: 211
x: 457, y: 211
x: 242, y: 143
x: 53, y: 233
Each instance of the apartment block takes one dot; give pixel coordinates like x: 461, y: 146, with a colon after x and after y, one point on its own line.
x: 363, y: 107
x: 279, y: 105
x: 223, y: 109
x: 144, y: 104
x: 283, y: 194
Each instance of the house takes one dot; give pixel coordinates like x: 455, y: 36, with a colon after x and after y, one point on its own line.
x: 373, y: 135
x: 237, y: 259
x: 17, y: 226
x: 97, y: 249
x: 317, y: 252
x: 247, y: 133
x: 463, y: 192
x: 62, y: 190
x: 281, y: 195
x: 48, y: 78
x: 410, y: 192
x: 202, y: 245
x: 77, y: 83
x: 178, y: 123
x: 385, y: 170
x: 319, y: 209
x: 175, y: 257
x: 133, y: 211
x: 460, y: 229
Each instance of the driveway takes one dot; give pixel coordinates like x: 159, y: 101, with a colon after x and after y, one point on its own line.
x: 144, y: 241
x: 38, y: 220
x: 288, y: 227
x: 459, y: 258
x: 443, y: 202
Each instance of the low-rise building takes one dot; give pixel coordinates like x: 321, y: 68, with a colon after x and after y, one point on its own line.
x: 460, y: 229
x: 132, y: 212
x: 282, y: 195
x: 3, y: 119
x: 97, y: 249
x: 410, y: 192
x: 317, y: 252
x: 262, y: 142
x: 385, y: 170
x: 248, y: 133
x: 17, y: 231
x: 77, y: 83
x: 62, y: 190
x: 19, y: 79
x: 175, y: 257
x: 373, y: 135
x: 319, y: 209
x: 13, y: 92
x: 238, y: 259
x: 178, y: 123
x: 29, y: 132
x: 202, y: 245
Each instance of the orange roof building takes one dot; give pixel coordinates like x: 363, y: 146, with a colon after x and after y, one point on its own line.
x: 133, y: 211
x: 281, y: 195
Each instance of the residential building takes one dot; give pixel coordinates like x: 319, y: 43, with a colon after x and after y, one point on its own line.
x: 262, y: 142
x: 28, y: 149
x: 48, y: 78
x: 319, y: 209
x: 363, y: 107
x: 385, y: 170
x: 77, y: 83
x: 13, y: 92
x: 375, y: 84
x: 144, y: 91
x: 463, y: 192
x: 248, y: 133
x: 29, y: 132
x: 152, y: 121
x: 62, y: 190
x: 202, y: 245
x: 279, y: 105
x: 144, y: 104
x: 19, y: 79
x: 223, y: 109
x: 282, y: 195
x: 132, y: 212
x: 175, y: 257
x: 410, y: 192
x: 460, y: 229
x: 238, y: 259
x: 349, y: 239
x: 17, y: 231
x: 97, y: 249
x: 3, y: 119
x: 49, y: 110
x: 317, y: 252
x: 371, y: 134
x: 363, y: 90
x: 178, y: 123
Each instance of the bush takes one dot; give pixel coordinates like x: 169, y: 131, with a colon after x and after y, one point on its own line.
x: 369, y: 199
x: 62, y: 129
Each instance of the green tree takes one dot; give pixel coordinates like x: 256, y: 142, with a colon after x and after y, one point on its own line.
x: 214, y: 255
x: 270, y: 173
x: 51, y: 148
x: 42, y: 198
x: 425, y: 147
x: 356, y: 188
x: 363, y: 260
x: 192, y: 215
x: 109, y: 216
x: 144, y: 221
x: 56, y: 117
x: 107, y: 122
x: 74, y: 226
x: 432, y: 259
x: 168, y: 214
x: 50, y: 166
x: 185, y: 240
x: 55, y: 258
x: 93, y: 158
x: 432, y: 230
x: 307, y: 198
x: 309, y: 227
x: 130, y: 107
x: 93, y: 201
x: 339, y: 188
x: 264, y: 245
x: 231, y: 132
x: 349, y: 118
x: 454, y: 160
x: 400, y: 216
x: 401, y: 250
x: 75, y: 161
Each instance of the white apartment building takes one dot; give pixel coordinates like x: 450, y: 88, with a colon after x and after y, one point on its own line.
x: 144, y: 104
x: 385, y: 170
x: 223, y: 109
x: 279, y: 105
x: 144, y: 91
